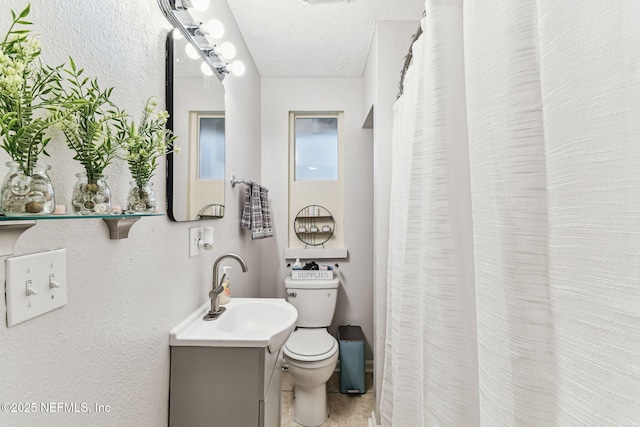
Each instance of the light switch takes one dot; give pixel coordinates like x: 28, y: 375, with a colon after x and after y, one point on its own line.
x: 36, y: 284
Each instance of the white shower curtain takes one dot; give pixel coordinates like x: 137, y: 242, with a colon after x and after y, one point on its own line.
x: 514, y: 253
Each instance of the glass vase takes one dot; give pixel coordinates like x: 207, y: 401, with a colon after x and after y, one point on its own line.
x: 91, y: 196
x: 142, y: 198
x: 27, y: 194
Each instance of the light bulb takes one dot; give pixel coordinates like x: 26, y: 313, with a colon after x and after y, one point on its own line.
x: 228, y: 50
x: 237, y: 67
x: 200, y: 5
x: 206, y: 69
x: 215, y: 29
x: 192, y: 52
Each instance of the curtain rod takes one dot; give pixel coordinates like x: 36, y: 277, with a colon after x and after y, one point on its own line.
x: 409, y: 57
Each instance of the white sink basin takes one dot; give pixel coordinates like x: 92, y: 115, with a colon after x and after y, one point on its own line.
x: 247, y: 322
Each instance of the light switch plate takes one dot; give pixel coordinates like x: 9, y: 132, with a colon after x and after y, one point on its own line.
x: 36, y: 284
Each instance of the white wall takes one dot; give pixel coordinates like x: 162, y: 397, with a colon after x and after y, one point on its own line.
x: 279, y: 97
x: 370, y: 78
x: 109, y: 345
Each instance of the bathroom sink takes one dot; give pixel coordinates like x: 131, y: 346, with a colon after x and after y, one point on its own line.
x: 247, y: 322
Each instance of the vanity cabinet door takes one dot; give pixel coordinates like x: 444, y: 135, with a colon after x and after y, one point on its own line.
x: 216, y: 386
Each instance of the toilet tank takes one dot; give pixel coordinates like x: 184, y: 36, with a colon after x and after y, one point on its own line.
x: 315, y: 301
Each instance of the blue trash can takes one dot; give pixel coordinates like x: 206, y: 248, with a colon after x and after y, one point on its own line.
x: 351, y: 347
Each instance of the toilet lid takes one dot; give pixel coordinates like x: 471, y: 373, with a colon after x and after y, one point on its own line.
x: 310, y: 342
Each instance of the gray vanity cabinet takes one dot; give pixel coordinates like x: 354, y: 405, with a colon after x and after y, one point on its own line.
x: 224, y: 387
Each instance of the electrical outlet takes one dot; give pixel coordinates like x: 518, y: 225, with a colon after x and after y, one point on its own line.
x: 195, y: 236
x: 36, y: 284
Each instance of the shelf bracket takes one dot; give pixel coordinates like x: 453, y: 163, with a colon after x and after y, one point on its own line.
x: 119, y: 227
x: 11, y: 232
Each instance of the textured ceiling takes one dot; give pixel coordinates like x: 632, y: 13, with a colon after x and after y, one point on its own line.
x: 291, y: 38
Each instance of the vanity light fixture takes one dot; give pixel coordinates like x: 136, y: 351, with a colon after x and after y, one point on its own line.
x: 199, y: 5
x: 195, y: 29
x: 191, y: 51
x: 206, y: 70
x: 176, y: 12
x: 227, y: 50
x: 237, y: 67
x: 215, y: 29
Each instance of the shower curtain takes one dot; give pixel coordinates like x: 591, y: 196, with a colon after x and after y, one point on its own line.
x: 513, y: 292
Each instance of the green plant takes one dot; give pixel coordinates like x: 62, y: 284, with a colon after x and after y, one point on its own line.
x: 142, y: 145
x: 88, y: 128
x: 30, y: 98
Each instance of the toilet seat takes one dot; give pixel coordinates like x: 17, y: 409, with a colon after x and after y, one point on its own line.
x: 310, y: 345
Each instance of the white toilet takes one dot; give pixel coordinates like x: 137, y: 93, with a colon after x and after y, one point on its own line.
x: 311, y: 352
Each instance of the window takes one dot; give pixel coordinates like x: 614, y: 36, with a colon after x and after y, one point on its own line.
x: 316, y: 173
x: 205, y: 178
x: 211, y: 148
x: 316, y: 148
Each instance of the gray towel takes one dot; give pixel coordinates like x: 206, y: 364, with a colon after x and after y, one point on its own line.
x: 245, y: 221
x: 266, y: 214
x: 257, y: 231
x: 255, y: 215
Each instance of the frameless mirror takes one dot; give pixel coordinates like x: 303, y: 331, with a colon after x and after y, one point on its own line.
x: 195, y: 102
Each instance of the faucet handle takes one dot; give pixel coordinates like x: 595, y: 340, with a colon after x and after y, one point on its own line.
x: 224, y: 276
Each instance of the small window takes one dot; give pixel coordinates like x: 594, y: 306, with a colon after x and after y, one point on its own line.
x: 211, y: 148
x: 205, y: 177
x: 316, y: 176
x: 316, y: 148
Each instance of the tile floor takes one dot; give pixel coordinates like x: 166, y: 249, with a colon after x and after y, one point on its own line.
x: 345, y: 410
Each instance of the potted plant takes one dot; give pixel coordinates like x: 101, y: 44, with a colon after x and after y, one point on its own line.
x: 89, y: 133
x: 30, y: 103
x: 142, y: 145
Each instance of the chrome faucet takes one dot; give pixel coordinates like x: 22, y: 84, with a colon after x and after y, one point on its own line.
x: 216, y: 310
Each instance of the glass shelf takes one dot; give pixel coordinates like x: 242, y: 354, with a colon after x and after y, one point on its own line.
x: 74, y: 216
x: 12, y: 227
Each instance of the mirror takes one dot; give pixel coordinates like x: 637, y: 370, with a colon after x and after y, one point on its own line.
x: 195, y: 102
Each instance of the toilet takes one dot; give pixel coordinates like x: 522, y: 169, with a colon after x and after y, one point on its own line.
x: 311, y: 352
